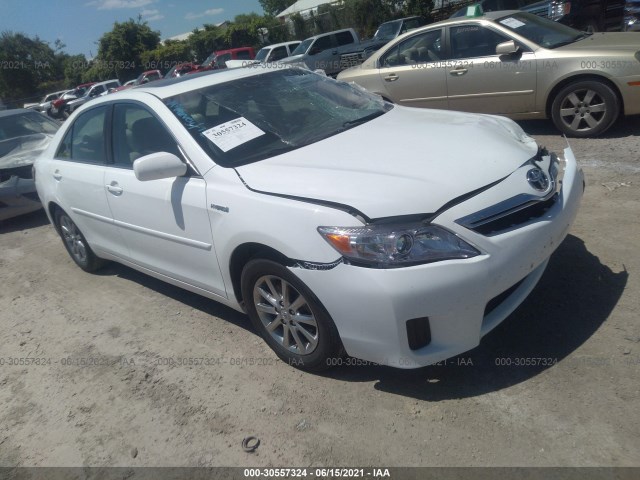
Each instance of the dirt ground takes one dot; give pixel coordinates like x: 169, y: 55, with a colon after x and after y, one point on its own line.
x: 104, y: 395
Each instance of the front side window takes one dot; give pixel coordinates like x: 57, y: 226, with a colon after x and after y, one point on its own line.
x: 136, y: 133
x: 278, y: 54
x: 262, y: 54
x: 474, y: 41
x: 322, y: 44
x: 302, y: 48
x: 421, y: 48
x: 344, y: 38
x: 260, y: 116
x: 84, y: 142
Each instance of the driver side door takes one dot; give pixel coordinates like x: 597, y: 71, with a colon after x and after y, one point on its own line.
x: 164, y: 222
x: 480, y: 81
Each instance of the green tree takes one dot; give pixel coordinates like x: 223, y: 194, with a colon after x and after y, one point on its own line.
x: 26, y: 63
x: 419, y: 7
x: 167, y: 55
x: 205, y: 41
x: 274, y: 7
x: 120, y: 51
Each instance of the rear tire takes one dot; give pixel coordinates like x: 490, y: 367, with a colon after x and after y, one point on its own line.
x: 289, y: 317
x: 75, y: 243
x: 585, y: 108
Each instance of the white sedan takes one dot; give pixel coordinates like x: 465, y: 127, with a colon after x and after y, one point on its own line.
x: 338, y: 222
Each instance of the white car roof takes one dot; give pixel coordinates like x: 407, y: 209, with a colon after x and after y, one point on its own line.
x: 274, y: 45
x: 176, y: 86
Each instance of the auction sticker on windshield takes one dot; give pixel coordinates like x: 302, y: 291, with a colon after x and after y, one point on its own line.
x: 229, y: 135
x: 512, y: 22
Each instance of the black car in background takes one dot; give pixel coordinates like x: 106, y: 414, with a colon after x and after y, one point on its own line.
x: 632, y: 16
x: 586, y: 15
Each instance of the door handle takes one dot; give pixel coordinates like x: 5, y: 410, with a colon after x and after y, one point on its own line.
x: 114, y: 189
x: 392, y: 77
x: 458, y: 72
x: 57, y: 175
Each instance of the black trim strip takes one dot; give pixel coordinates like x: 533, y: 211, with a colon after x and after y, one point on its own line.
x: 338, y: 206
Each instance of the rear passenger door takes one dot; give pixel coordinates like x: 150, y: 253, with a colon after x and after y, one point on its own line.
x: 164, y: 222
x: 413, y: 73
x: 78, y: 171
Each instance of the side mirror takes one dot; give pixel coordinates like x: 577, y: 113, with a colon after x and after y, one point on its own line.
x: 158, y: 165
x: 507, y: 48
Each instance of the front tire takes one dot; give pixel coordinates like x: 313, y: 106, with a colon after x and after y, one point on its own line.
x: 289, y: 317
x: 585, y: 108
x: 75, y: 243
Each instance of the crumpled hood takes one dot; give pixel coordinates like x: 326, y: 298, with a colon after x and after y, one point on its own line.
x: 20, y: 151
x: 407, y: 161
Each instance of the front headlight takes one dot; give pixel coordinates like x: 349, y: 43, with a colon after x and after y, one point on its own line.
x: 388, y: 246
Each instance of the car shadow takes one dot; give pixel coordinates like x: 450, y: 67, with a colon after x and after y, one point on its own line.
x: 24, y: 222
x: 624, y: 127
x: 574, y: 297
x: 193, y: 300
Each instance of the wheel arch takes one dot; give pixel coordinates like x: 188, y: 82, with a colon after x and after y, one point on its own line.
x: 577, y: 78
x: 245, y: 252
x: 51, y: 210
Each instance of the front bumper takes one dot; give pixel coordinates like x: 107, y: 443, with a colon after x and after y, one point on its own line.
x: 463, y: 299
x: 17, y: 197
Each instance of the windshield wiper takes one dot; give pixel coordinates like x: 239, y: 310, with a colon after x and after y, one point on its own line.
x: 582, y: 36
x: 366, y: 118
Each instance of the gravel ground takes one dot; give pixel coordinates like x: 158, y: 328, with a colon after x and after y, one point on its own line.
x: 127, y: 407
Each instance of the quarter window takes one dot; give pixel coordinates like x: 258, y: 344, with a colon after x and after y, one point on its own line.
x: 473, y: 41
x: 84, y: 142
x: 136, y: 133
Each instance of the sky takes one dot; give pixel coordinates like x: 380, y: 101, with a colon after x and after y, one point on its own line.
x: 80, y: 23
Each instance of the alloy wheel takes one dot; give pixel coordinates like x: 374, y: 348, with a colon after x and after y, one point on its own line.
x: 285, y: 314
x: 73, y: 239
x: 583, y: 110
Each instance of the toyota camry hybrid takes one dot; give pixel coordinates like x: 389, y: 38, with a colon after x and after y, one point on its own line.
x: 339, y: 222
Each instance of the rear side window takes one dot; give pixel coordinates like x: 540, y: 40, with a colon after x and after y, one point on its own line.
x: 243, y: 55
x: 84, y: 142
x: 344, y: 38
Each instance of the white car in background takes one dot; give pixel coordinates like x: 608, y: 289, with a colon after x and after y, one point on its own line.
x: 337, y: 221
x: 268, y: 54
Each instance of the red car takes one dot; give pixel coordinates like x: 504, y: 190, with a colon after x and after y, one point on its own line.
x: 181, y: 69
x: 57, y: 106
x: 144, y: 77
x: 217, y: 59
